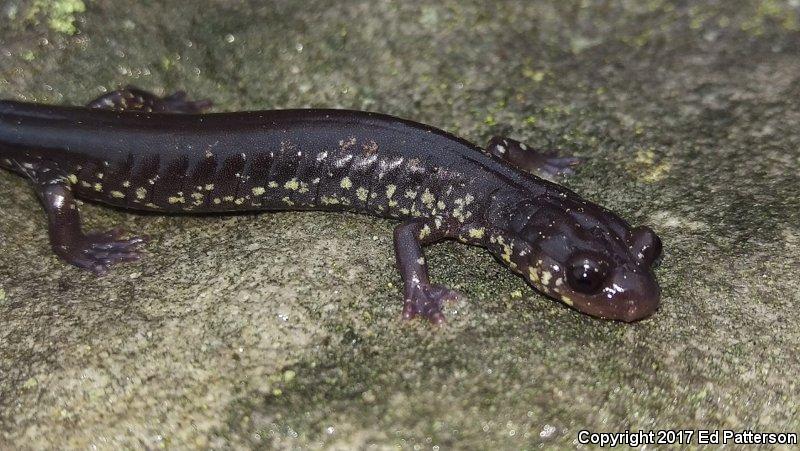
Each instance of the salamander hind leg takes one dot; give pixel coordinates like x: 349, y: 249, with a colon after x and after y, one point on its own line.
x: 544, y: 164
x: 134, y: 99
x: 421, y: 297
x: 96, y: 251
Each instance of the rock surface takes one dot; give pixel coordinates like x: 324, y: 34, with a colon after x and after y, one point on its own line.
x: 283, y: 329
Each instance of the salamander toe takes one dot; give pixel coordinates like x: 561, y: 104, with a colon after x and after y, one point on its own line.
x: 427, y: 301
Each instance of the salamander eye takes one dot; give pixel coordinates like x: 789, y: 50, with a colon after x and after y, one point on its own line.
x: 586, y: 275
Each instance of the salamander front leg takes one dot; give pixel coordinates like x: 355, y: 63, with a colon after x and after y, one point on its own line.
x: 93, y: 251
x: 132, y: 98
x: 421, y: 297
x: 544, y: 164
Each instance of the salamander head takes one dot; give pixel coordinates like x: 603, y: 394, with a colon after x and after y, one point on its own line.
x: 592, y: 261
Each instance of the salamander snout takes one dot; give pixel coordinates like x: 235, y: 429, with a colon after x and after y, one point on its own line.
x: 630, y: 296
x: 594, y: 281
x: 624, y: 293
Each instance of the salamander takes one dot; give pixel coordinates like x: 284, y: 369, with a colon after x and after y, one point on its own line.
x: 132, y: 149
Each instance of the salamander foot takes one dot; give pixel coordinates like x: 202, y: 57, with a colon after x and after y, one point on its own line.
x: 427, y: 301
x: 132, y: 98
x: 544, y: 164
x: 98, y: 251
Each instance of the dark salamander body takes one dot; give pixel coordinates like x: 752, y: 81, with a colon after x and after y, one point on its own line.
x: 148, y: 158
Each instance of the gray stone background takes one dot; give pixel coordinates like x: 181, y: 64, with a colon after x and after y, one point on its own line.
x: 283, y: 329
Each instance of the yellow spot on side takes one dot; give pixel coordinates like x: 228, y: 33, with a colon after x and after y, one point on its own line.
x: 209, y: 187
x: 362, y: 194
x: 258, y: 190
x: 566, y: 300
x: 98, y: 187
x: 117, y: 194
x: 272, y: 184
x: 390, y: 189
x: 346, y: 183
x: 126, y: 184
x: 329, y: 200
x: 72, y: 178
x: 176, y: 200
x: 141, y: 193
x: 292, y: 184
x: 428, y: 198
x: 477, y: 233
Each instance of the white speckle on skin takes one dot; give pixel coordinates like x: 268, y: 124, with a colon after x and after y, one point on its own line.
x: 500, y: 149
x: 59, y: 200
